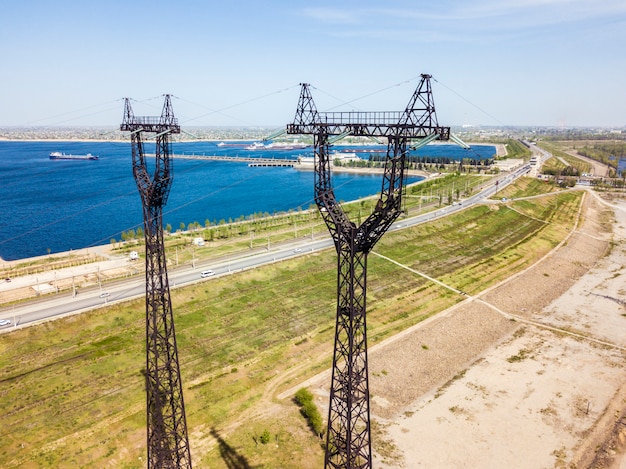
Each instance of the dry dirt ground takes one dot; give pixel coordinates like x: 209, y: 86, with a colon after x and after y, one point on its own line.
x: 529, y: 374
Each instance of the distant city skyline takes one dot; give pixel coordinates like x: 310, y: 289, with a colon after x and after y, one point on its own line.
x: 554, y: 63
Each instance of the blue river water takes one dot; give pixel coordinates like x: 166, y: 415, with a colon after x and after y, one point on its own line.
x: 58, y: 205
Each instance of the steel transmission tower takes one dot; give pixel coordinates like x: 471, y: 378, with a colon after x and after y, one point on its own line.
x: 168, y: 444
x: 348, y: 442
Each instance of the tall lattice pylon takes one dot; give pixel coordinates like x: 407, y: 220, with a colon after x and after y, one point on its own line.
x: 348, y: 438
x: 168, y: 444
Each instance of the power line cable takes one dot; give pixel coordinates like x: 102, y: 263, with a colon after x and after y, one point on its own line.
x: 71, y: 112
x: 373, y: 93
x: 225, y: 108
x: 471, y: 103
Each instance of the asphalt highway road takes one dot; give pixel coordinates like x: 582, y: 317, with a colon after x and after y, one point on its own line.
x: 54, y: 306
x: 122, y: 290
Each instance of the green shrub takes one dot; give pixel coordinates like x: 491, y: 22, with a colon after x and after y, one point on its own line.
x: 309, y: 410
x: 265, y: 437
x: 303, y: 396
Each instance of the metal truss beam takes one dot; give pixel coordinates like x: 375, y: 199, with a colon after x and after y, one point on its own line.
x: 348, y: 442
x: 418, y: 120
x: 167, y: 440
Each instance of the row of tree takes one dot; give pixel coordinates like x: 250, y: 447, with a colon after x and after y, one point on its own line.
x: 438, y: 160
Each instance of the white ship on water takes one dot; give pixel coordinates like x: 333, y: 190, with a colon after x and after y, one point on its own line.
x: 57, y: 155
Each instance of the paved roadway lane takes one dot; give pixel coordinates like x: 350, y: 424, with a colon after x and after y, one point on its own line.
x: 87, y: 299
x: 64, y: 304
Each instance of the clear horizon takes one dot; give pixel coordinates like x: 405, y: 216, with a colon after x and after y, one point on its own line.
x: 544, y: 63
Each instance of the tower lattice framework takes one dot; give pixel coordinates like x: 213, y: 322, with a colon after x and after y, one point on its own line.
x: 348, y: 443
x: 167, y: 440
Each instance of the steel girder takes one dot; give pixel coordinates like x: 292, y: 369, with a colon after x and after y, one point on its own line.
x: 167, y: 440
x: 418, y: 120
x: 348, y: 443
x: 348, y: 437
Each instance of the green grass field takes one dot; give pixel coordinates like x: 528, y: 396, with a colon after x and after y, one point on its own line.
x: 72, y: 390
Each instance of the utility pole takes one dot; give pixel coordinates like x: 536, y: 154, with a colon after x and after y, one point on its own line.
x: 348, y: 444
x: 167, y: 440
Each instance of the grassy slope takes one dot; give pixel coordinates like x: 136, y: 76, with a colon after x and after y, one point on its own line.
x: 72, y: 389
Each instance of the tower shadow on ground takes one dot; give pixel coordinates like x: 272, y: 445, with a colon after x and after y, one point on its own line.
x: 231, y: 458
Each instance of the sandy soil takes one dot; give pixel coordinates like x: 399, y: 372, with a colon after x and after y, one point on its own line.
x: 529, y: 374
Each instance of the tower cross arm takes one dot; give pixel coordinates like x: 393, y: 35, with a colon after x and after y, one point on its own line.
x: 151, y: 124
x: 374, y: 124
x: 166, y: 122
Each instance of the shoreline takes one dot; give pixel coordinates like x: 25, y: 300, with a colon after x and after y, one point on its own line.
x: 344, y: 169
x: 338, y: 169
x: 196, y: 140
x: 104, y: 249
x: 500, y: 148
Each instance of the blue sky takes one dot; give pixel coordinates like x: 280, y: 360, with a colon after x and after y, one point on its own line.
x: 513, y: 62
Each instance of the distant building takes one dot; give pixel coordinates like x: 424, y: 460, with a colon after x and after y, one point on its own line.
x: 198, y: 241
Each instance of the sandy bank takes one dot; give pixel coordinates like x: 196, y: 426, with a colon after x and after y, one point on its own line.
x: 524, y: 375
